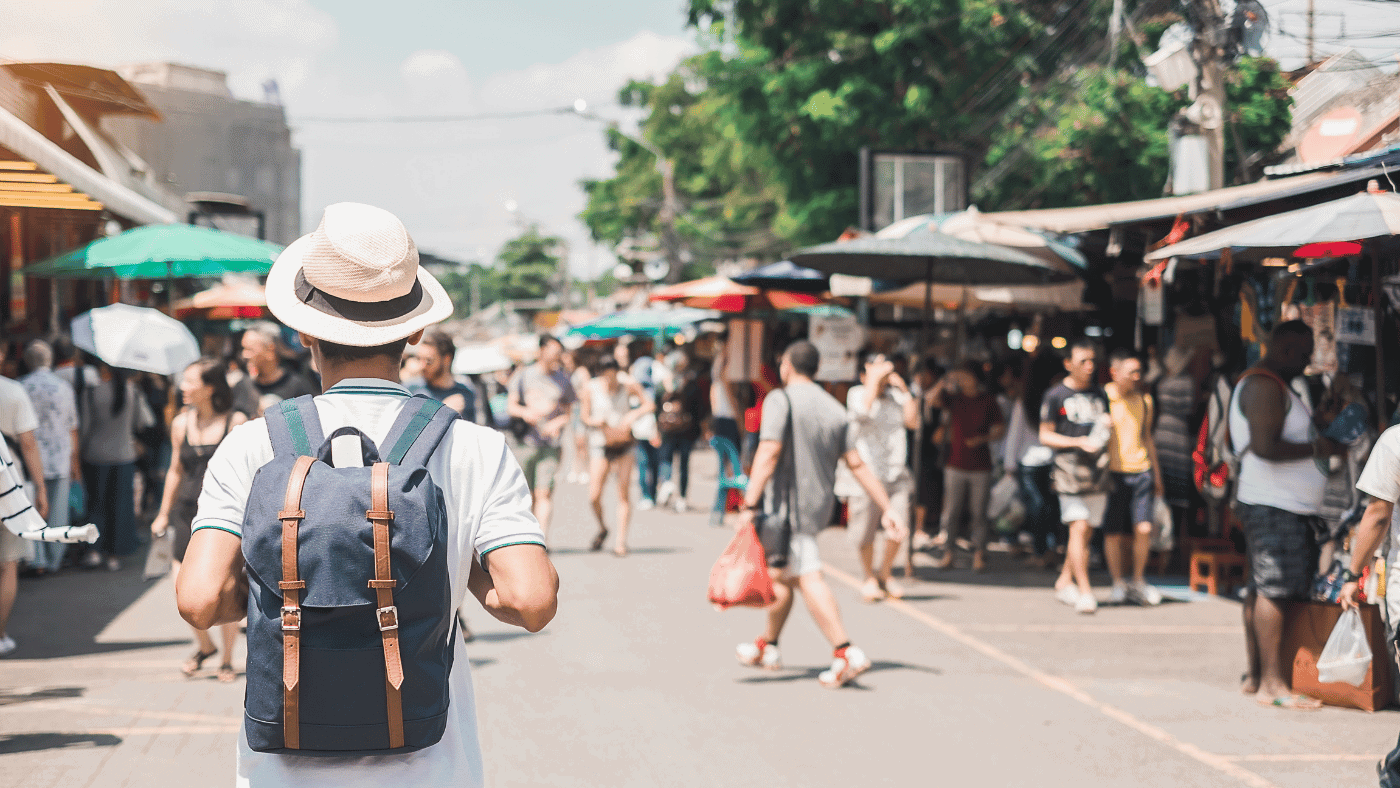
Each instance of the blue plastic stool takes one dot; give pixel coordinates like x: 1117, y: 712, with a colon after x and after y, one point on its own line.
x: 734, y: 479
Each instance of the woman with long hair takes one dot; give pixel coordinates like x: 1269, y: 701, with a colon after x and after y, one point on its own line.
x: 608, y: 414
x: 195, y: 433
x: 111, y: 412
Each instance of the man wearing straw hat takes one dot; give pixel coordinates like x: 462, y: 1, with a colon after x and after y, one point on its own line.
x: 355, y: 292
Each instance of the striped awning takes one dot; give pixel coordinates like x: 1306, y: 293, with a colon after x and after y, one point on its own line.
x: 24, y: 185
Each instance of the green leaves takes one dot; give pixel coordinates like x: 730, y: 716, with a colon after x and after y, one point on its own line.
x: 823, y: 105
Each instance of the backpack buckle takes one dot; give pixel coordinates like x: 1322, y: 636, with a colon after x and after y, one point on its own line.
x: 291, y: 618
x: 388, y: 618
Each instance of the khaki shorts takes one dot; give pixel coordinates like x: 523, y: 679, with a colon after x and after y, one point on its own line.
x: 863, y: 516
x: 13, y: 548
x: 1074, y: 508
x: 540, y: 464
x: 803, y: 556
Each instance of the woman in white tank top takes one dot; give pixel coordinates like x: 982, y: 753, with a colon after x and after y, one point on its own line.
x: 607, y: 413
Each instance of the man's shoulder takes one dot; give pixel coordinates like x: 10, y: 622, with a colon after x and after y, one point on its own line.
x: 1388, y: 443
x: 11, y: 389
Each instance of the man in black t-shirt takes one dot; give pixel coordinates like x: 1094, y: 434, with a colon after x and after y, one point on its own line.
x: 1074, y: 422
x: 262, y: 343
x: 435, y: 353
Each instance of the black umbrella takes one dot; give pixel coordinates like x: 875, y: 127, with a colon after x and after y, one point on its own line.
x: 785, y: 275
x: 926, y: 255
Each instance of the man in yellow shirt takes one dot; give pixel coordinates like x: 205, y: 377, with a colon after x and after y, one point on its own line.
x: 1136, y: 480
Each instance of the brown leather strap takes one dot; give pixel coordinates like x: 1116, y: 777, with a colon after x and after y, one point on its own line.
x: 387, y: 615
x: 292, y: 586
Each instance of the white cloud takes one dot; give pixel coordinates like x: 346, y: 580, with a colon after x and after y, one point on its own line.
x: 593, y: 74
x: 432, y: 64
x: 253, y: 40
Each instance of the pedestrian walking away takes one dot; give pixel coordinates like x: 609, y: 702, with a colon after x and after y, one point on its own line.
x: 880, y: 409
x: 57, y: 436
x: 539, y: 398
x: 1279, y: 496
x: 609, y: 416
x: 1136, y: 481
x: 803, y: 435
x: 375, y: 714
x: 1075, y: 424
x: 195, y: 434
x: 683, y: 407
x: 111, y: 413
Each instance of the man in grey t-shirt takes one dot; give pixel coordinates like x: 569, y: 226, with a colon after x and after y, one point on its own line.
x: 802, y: 436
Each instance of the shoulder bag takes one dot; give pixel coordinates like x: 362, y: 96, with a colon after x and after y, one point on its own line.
x: 775, y: 529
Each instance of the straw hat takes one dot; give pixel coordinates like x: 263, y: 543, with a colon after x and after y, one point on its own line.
x: 355, y: 280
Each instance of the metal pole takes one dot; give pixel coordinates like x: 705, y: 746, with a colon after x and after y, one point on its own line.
x: 922, y: 346
x: 1312, y: 18
x: 1378, y: 306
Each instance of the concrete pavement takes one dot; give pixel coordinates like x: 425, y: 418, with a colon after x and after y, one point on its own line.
x: 978, y: 680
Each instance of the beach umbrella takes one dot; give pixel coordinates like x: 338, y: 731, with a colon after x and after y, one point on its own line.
x: 785, y: 275
x: 479, y: 359
x: 135, y: 337
x: 973, y: 225
x: 162, y: 251
x: 726, y: 295
x: 1061, y: 296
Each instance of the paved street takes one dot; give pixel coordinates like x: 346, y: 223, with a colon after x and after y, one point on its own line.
x: 978, y: 680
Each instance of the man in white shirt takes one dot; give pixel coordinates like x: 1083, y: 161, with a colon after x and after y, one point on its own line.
x: 880, y: 409
x: 382, y: 299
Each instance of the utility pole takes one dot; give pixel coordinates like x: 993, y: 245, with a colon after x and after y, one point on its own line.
x: 1207, y: 111
x: 1115, y: 29
x: 1312, y: 20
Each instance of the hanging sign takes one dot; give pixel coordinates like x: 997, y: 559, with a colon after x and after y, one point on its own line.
x: 838, y: 339
x: 1356, y: 325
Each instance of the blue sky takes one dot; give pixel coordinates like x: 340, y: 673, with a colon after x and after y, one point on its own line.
x: 451, y: 182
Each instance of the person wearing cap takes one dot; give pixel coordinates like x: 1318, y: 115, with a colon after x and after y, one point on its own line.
x: 354, y: 290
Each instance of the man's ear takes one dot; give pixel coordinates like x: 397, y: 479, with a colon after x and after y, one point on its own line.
x: 418, y: 337
x: 306, y: 340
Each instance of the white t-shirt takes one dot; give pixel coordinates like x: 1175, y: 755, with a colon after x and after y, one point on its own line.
x: 1381, y: 479
x: 488, y: 505
x: 878, y: 433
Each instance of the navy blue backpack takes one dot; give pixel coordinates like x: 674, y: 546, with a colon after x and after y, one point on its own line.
x: 349, y: 601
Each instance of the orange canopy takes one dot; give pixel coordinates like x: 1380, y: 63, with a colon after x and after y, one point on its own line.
x: 726, y: 295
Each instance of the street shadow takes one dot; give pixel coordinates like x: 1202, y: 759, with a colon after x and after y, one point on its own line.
x: 482, y: 662
x: 10, y: 698
x: 930, y: 597
x: 1005, y: 571
x: 810, y: 674
x: 502, y: 637
x: 61, y: 615
x: 38, y: 742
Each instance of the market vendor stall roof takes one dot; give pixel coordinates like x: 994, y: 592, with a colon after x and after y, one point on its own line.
x: 1101, y: 217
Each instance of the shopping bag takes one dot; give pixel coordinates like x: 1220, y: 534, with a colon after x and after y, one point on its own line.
x: 1163, y: 540
x: 740, y: 576
x: 1307, y: 626
x: 159, y: 556
x: 1345, y: 657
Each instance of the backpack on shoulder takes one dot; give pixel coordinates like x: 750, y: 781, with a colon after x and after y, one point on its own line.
x: 350, y: 617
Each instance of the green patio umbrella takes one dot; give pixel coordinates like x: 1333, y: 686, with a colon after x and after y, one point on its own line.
x: 162, y: 251
x: 662, y: 323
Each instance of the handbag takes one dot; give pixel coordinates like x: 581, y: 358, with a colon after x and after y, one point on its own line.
x: 1306, y: 629
x: 674, y: 419
x: 616, y: 436
x: 517, y: 426
x: 740, y: 576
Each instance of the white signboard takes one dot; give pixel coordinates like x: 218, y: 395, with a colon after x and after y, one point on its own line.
x: 839, y: 339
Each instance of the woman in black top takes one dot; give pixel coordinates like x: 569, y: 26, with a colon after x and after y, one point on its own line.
x: 194, y: 435
x: 684, y: 405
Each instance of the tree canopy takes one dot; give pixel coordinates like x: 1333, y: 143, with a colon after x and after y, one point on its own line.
x: 764, y: 126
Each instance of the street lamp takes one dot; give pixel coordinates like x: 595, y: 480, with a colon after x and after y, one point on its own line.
x: 670, y: 204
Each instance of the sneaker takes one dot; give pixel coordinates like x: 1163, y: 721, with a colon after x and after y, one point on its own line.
x: 922, y: 541
x: 1087, y: 604
x: 113, y: 565
x: 7, y: 646
x: 1068, y: 595
x: 845, y: 668
x: 646, y: 504
x: 893, y: 589
x: 759, y: 654
x: 92, y: 560
x: 680, y: 506
x: 1144, y: 594
x: 1119, y: 594
x: 665, y: 492
x: 583, y: 477
x: 871, y: 592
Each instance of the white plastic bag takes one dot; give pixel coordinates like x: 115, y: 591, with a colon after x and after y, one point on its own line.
x: 1346, y: 657
x: 1001, y: 497
x: 1163, y: 540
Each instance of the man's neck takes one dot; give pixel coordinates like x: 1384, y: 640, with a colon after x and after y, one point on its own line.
x: 443, y: 381
x: 1077, y: 386
x: 1274, y: 367
x: 332, y: 374
x: 796, y: 379
x: 270, y: 375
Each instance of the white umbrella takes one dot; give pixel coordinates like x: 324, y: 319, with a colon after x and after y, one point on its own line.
x: 479, y: 359
x: 134, y: 337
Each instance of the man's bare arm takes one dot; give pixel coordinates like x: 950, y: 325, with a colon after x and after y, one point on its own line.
x: 765, y: 463
x: 1054, y: 440
x: 1265, y: 406
x: 522, y: 588
x: 211, y: 587
x: 1364, y: 541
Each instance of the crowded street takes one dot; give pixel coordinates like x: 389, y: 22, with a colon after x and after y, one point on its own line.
x: 977, y: 680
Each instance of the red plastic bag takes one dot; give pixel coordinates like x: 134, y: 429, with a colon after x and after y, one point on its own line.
x: 740, y: 576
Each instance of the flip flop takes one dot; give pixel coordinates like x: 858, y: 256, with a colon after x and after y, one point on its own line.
x: 598, y: 540
x: 1294, y: 703
x: 195, y: 662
